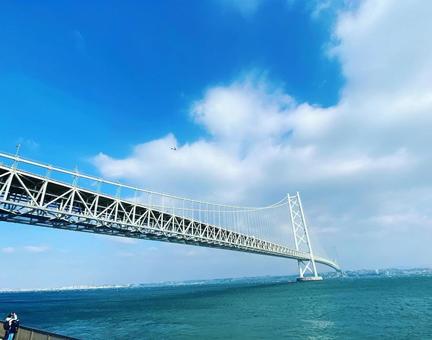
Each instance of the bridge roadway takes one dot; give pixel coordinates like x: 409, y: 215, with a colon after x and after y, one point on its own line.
x: 29, y: 198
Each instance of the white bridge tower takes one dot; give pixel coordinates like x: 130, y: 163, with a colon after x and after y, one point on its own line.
x: 307, y: 268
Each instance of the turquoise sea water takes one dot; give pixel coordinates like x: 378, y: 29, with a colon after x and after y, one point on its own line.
x: 261, y: 308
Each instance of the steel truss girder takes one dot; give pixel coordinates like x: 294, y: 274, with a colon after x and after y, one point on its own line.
x: 32, y: 199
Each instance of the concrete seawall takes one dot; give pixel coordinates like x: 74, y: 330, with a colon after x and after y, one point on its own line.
x: 27, y: 333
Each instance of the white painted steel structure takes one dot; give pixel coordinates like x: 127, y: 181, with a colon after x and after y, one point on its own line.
x: 39, y: 194
x: 301, y: 237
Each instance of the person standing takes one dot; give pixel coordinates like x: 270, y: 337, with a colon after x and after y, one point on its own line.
x: 11, y: 326
x: 7, y: 324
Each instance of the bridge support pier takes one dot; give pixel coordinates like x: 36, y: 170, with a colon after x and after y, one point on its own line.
x: 307, y: 269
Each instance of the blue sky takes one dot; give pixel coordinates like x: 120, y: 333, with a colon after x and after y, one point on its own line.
x: 109, y: 87
x: 147, y: 62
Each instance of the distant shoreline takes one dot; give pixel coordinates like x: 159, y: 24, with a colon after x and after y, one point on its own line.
x: 384, y: 272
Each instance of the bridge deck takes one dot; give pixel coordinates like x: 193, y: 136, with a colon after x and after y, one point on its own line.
x: 38, y: 200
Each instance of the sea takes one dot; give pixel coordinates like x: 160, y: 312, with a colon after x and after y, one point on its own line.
x: 386, y: 304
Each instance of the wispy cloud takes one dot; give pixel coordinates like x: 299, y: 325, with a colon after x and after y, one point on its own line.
x: 121, y: 240
x: 191, y: 252
x: 8, y: 250
x: 124, y: 240
x: 36, y: 249
x: 246, y: 8
x: 320, y: 7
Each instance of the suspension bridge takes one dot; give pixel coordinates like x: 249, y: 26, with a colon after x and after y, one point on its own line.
x: 42, y: 195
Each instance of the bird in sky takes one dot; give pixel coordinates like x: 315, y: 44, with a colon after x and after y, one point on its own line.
x: 173, y: 148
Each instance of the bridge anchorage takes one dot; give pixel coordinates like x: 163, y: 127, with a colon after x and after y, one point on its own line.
x: 42, y: 195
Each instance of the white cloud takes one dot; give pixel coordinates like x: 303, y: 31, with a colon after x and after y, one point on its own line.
x: 385, y: 49
x: 8, y: 250
x: 124, y: 240
x: 231, y: 113
x: 320, y: 7
x: 36, y: 249
x: 353, y: 161
x: 191, y: 253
